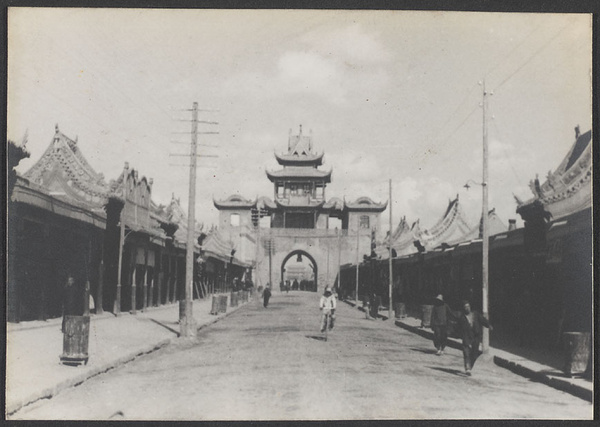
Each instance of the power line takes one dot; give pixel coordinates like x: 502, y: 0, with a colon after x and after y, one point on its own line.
x: 504, y: 57
x: 436, y: 136
x: 536, y: 53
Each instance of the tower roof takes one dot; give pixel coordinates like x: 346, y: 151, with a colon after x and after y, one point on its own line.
x: 365, y: 204
x: 234, y: 202
x: 300, y: 152
x: 299, y: 173
x: 298, y: 160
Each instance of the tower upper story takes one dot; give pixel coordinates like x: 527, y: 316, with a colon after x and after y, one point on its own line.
x: 300, y: 182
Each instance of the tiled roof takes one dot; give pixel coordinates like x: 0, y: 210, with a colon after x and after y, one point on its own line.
x: 175, y: 214
x: 35, y: 195
x: 217, y: 246
x: 451, y: 230
x: 297, y: 159
x: 63, y: 171
x: 567, y: 190
x: 365, y: 204
x: 403, y: 239
x: 452, y: 226
x: 265, y: 203
x: 298, y: 172
x: 334, y: 203
x: 234, y: 202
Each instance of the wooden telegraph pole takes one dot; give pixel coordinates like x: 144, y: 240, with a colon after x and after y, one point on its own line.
x: 357, y: 260
x: 186, y: 317
x: 117, y: 305
x: 485, y: 231
x: 391, y: 309
x: 270, y: 243
x: 339, y: 242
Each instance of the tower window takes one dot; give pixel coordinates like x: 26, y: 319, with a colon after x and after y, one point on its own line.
x: 364, y: 221
x: 234, y: 220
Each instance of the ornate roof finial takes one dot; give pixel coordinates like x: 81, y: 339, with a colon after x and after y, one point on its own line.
x: 25, y: 139
x: 56, y: 128
x: 126, y: 165
x: 172, y: 196
x: 76, y: 138
x: 151, y: 181
x: 300, y: 130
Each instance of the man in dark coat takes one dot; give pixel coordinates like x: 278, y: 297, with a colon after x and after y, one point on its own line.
x: 471, y: 324
x: 440, y: 315
x: 266, y: 296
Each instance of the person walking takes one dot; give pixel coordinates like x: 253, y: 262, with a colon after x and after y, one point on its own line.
x: 327, y: 305
x: 440, y: 315
x: 471, y: 323
x: 266, y: 295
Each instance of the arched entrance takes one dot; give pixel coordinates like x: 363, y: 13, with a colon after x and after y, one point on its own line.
x: 309, y: 285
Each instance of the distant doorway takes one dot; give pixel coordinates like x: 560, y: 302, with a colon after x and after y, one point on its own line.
x: 299, y: 271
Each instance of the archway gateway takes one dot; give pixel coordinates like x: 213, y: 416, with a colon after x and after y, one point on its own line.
x: 299, y: 252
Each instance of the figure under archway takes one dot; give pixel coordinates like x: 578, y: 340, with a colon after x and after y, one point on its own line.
x: 299, y: 271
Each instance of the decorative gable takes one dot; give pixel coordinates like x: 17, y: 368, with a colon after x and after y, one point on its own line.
x: 64, y: 172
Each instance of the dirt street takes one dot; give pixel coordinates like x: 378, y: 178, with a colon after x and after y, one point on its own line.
x: 272, y: 364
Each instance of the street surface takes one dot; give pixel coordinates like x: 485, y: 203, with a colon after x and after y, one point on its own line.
x: 273, y: 364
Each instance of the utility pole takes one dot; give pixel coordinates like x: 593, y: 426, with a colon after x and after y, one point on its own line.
x: 270, y: 242
x: 485, y: 231
x: 186, y: 317
x: 117, y: 307
x: 328, y: 280
x: 391, y: 309
x: 257, y: 253
x: 339, y: 233
x: 357, y: 240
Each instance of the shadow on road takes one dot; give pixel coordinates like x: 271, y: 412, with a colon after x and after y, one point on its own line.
x: 426, y: 351
x: 119, y: 415
x: 165, y: 326
x: 449, y: 371
x: 316, y: 337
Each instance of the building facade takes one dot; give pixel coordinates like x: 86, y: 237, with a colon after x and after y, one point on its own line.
x: 299, y: 220
x: 123, y: 251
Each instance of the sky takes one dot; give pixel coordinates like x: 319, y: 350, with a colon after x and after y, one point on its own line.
x: 387, y: 95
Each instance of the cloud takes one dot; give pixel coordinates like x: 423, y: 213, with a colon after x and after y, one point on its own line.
x: 359, y: 166
x: 309, y: 72
x: 351, y: 44
x: 334, y: 65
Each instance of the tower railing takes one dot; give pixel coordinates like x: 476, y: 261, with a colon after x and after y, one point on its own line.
x: 302, y: 232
